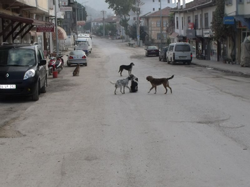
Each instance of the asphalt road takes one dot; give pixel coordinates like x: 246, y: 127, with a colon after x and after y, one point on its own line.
x: 80, y: 134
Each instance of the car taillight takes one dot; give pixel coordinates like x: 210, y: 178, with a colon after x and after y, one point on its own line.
x: 84, y: 57
x: 71, y: 57
x: 191, y: 55
x: 173, y: 56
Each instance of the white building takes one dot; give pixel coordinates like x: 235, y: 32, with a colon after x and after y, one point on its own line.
x: 150, y: 6
x: 239, y: 13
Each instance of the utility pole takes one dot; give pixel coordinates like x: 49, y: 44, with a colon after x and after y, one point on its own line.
x: 138, y: 23
x: 103, y: 23
x: 56, y: 30
x: 160, y: 26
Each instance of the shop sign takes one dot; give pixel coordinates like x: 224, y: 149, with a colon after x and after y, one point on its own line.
x: 228, y: 20
x: 45, y: 28
x: 64, y: 2
x: 206, y: 34
x: 66, y: 9
x: 80, y: 23
x: 191, y: 25
x: 190, y: 33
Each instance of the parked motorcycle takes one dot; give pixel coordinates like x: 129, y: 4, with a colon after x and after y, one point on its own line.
x: 55, y: 64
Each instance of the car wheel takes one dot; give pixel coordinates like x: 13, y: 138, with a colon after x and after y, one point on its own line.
x: 159, y: 58
x: 86, y: 64
x: 68, y: 64
x: 168, y: 61
x: 43, y: 89
x: 189, y: 62
x: 35, y: 96
x: 173, y: 62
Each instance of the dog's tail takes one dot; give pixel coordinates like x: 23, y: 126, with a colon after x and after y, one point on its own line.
x: 111, y: 82
x: 170, y: 77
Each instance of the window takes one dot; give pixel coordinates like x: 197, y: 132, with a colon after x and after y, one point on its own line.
x: 201, y: 22
x: 241, y: 1
x: 153, y: 0
x: 182, y: 48
x: 196, y: 21
x: 168, y: 1
x: 189, y: 19
x: 159, y: 0
x: 164, y: 36
x: 158, y: 23
x: 182, y: 22
x: 177, y: 23
x: 229, y: 2
x: 171, y: 48
x: 153, y: 9
x: 206, y: 20
x: 68, y: 15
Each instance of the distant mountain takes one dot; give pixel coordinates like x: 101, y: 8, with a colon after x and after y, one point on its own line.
x: 94, y: 14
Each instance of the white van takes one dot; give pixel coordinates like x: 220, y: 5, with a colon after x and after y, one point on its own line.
x: 87, y: 40
x: 179, y: 52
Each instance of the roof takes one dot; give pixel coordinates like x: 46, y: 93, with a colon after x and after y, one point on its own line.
x: 164, y: 12
x: 194, y: 4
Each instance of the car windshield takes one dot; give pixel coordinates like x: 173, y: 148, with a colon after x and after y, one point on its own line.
x: 17, y: 57
x: 182, y: 48
x: 152, y: 47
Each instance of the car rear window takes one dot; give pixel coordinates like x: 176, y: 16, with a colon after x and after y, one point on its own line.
x: 77, y: 52
x: 182, y: 48
x: 152, y: 47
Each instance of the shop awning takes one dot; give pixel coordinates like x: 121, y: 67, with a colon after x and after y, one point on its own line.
x: 14, y: 26
x: 62, y: 35
x: 174, y: 35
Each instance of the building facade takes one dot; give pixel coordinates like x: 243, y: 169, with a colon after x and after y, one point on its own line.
x: 149, y: 7
x: 239, y: 14
x: 193, y: 25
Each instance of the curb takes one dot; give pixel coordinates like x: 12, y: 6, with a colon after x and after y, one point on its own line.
x: 223, y: 70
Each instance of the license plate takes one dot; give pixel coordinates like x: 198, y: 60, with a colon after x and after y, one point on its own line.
x: 7, y: 86
x: 182, y: 56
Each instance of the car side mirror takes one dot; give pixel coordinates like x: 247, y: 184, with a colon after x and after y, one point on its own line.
x: 42, y: 62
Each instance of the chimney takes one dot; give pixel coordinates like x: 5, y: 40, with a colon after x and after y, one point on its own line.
x: 179, y: 4
x: 184, y: 4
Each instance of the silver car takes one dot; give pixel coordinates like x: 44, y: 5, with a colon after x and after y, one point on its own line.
x: 77, y: 57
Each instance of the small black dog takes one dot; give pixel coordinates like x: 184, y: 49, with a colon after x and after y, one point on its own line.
x: 134, y: 84
x: 126, y: 67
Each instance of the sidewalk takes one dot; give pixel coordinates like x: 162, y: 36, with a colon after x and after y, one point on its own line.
x: 232, y: 68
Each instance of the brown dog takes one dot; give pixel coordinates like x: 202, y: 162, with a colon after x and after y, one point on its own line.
x: 77, y: 70
x: 156, y: 82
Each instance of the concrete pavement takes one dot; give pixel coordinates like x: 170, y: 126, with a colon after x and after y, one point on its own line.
x: 232, y: 68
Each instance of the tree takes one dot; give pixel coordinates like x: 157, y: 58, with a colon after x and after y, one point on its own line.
x: 122, y: 8
x: 133, y: 32
x: 221, y: 31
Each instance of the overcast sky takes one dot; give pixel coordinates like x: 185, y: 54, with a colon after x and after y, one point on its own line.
x: 101, y: 5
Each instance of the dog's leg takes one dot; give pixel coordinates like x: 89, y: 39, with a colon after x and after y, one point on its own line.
x: 121, y: 89
x: 150, y: 89
x: 121, y: 72
x: 128, y: 88
x: 170, y: 88
x: 155, y: 89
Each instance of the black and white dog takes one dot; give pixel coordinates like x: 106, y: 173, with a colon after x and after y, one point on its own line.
x: 126, y: 67
x: 122, y: 83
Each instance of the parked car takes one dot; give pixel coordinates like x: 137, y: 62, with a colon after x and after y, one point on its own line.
x: 77, y: 57
x: 163, y: 54
x: 151, y: 50
x: 84, y: 46
x: 22, y: 71
x: 179, y: 52
x: 85, y: 39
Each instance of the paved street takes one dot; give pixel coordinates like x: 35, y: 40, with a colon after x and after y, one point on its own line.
x: 80, y: 134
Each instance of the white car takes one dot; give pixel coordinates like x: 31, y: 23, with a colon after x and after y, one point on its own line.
x: 179, y: 52
x: 77, y: 57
